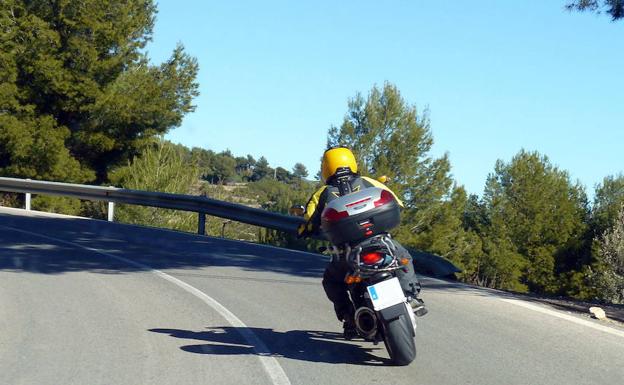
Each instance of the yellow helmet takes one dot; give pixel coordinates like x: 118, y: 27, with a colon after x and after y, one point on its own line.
x: 335, y: 158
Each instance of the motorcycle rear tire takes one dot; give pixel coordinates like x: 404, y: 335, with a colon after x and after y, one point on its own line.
x: 399, y: 341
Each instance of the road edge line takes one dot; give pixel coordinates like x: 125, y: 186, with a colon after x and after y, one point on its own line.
x: 537, y: 308
x: 564, y: 316
x: 273, y: 369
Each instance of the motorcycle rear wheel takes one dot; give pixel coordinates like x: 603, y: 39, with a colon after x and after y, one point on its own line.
x: 399, y: 341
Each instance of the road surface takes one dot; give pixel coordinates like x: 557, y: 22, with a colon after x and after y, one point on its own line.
x: 91, y: 302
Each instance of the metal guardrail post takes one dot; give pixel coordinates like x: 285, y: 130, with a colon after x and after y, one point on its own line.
x: 111, y: 211
x: 27, y: 200
x: 201, y: 223
x: 223, y: 228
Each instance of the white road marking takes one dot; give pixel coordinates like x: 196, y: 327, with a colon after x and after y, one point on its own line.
x: 541, y: 309
x: 270, y: 364
x: 564, y: 316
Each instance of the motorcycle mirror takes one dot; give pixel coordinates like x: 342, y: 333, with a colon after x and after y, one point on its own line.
x: 382, y: 179
x: 296, y: 210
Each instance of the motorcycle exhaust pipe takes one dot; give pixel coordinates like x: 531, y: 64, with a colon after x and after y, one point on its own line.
x: 366, y: 322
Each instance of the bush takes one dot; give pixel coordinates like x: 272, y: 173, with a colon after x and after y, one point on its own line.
x: 608, y: 275
x: 54, y: 204
x: 164, y: 168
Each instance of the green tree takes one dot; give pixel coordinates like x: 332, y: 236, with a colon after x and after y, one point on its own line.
x: 205, y: 161
x: 446, y: 236
x: 609, y: 196
x: 492, y: 261
x: 539, y: 214
x: 300, y: 171
x: 389, y: 137
x: 251, y: 161
x: 608, y: 280
x: 161, y: 167
x: 78, y: 94
x: 244, y: 166
x: 224, y: 167
x: 475, y: 215
x: 261, y: 169
x: 500, y: 265
x: 32, y: 145
x: 615, y: 8
x: 282, y: 175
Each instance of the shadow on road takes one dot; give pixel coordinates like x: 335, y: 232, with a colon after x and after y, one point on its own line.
x: 21, y: 250
x: 304, y: 345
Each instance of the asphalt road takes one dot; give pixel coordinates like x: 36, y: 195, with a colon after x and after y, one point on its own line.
x: 90, y: 302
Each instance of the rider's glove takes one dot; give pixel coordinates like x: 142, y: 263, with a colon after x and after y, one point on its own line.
x: 302, y: 230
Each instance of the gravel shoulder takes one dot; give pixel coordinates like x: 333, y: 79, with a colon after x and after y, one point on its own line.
x: 615, y: 313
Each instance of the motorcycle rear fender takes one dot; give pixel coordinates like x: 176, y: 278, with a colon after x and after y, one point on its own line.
x: 393, y: 312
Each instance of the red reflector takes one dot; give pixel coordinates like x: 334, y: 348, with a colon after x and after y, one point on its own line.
x: 386, y: 197
x: 333, y: 215
x: 371, y: 258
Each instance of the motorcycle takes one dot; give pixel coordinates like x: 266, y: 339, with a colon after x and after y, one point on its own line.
x: 357, y: 225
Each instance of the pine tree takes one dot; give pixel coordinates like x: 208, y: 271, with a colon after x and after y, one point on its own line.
x: 261, y: 169
x: 389, y: 137
x: 282, y: 175
x: 78, y: 94
x: 608, y: 198
x: 615, y: 8
x: 608, y: 281
x: 224, y: 167
x: 300, y: 171
x: 539, y: 214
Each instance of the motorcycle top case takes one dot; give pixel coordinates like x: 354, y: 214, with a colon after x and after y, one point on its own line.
x: 360, y: 215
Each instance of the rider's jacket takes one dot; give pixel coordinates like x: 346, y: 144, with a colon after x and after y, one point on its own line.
x: 329, y: 192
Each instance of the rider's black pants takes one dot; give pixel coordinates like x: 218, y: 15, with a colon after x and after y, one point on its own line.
x: 336, y: 288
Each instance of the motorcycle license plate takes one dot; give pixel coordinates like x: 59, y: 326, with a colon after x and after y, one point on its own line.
x: 386, y: 294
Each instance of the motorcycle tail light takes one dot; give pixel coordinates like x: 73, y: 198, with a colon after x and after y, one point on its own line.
x: 371, y: 258
x: 385, y: 197
x: 332, y: 215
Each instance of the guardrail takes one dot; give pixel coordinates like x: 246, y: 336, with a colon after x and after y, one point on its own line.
x: 425, y: 263
x: 201, y: 205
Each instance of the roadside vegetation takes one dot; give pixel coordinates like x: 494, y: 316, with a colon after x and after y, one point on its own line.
x: 81, y: 102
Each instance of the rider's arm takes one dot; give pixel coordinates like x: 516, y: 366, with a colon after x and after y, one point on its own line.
x: 312, y: 213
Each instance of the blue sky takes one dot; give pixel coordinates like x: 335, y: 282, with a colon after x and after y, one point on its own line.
x: 497, y: 76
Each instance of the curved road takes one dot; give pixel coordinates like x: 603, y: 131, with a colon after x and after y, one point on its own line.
x: 91, y: 302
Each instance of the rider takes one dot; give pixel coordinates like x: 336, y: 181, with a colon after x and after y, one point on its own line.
x: 335, y: 159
